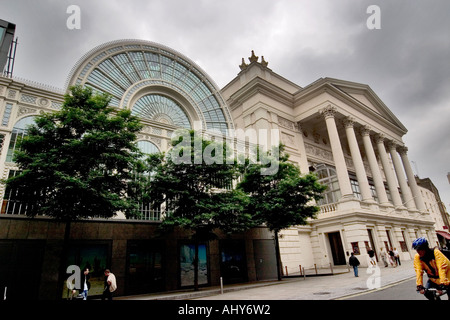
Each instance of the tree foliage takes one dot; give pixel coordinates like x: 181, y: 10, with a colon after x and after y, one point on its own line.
x: 283, y: 198
x: 77, y: 162
x: 194, y: 182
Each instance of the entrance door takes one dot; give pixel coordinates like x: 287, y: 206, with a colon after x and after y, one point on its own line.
x: 265, y: 259
x: 336, y: 248
x: 372, y: 243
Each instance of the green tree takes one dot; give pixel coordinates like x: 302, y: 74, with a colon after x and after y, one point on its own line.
x: 194, y: 182
x: 280, y: 196
x: 76, y: 162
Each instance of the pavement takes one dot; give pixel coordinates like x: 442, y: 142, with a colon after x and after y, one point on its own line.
x: 322, y: 285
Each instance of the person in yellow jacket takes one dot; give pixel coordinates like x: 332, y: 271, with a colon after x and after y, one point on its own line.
x: 435, y: 264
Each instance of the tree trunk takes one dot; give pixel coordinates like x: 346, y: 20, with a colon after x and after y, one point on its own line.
x: 278, y: 256
x: 62, y: 275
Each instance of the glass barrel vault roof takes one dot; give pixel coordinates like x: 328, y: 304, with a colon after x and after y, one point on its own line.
x: 116, y: 67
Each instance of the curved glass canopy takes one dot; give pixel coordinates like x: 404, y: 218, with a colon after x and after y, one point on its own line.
x: 115, y: 67
x: 161, y: 109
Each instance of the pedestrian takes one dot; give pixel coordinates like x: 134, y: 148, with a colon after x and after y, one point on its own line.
x: 391, y: 258
x: 71, y: 290
x: 383, y: 256
x: 354, y: 262
x: 85, y: 283
x: 372, y: 260
x: 110, y: 285
x: 397, y: 257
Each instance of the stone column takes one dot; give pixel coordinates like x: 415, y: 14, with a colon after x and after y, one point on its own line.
x: 374, y: 168
x: 407, y: 196
x: 392, y: 183
x: 338, y: 155
x: 412, y: 180
x: 361, y: 174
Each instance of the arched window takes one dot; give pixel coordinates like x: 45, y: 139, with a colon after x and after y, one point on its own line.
x: 147, y: 147
x: 327, y: 176
x: 147, y: 211
x: 161, y: 109
x: 122, y: 68
x: 18, y: 132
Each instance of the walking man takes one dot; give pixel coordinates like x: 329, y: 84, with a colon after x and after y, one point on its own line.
x: 354, y: 262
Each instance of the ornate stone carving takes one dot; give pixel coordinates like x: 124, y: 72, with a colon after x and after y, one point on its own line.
x: 403, y: 150
x: 264, y: 63
x: 12, y: 94
x: 24, y: 110
x: 243, y: 65
x: 253, y: 57
x: 365, y: 131
x: 391, y: 145
x: 287, y: 124
x: 349, y: 122
x: 43, y: 102
x: 328, y: 112
x: 318, y: 152
x: 287, y: 139
x: 379, y: 138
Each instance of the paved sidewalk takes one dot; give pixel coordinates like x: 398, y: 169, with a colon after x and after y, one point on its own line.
x: 322, y: 287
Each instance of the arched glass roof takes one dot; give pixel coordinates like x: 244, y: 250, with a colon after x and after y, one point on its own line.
x: 161, y: 109
x: 116, y: 67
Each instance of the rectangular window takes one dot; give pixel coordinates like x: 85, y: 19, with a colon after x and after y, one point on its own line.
x: 2, y: 139
x: 7, y: 114
x: 12, y: 202
x: 355, y: 188
x: 374, y: 192
x: 355, y: 248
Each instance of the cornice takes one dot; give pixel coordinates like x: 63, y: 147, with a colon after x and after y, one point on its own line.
x: 330, y: 86
x: 259, y: 85
x: 364, y: 217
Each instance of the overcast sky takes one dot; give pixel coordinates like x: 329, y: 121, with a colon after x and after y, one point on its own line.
x: 406, y: 62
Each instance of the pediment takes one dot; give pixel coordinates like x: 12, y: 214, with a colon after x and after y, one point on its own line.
x: 368, y: 99
x: 356, y: 95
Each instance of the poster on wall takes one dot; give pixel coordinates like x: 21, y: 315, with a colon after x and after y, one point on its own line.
x: 94, y: 256
x: 187, y: 254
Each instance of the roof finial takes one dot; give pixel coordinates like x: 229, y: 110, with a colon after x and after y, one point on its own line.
x: 264, y: 63
x: 243, y: 65
x: 253, y: 58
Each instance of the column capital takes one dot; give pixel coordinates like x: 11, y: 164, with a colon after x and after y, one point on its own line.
x: 349, y: 122
x: 328, y: 112
x: 379, y: 138
x: 403, y: 150
x: 392, y: 145
x: 365, y: 130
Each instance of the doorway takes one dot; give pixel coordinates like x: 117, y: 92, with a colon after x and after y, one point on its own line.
x: 337, y: 249
x: 372, y: 242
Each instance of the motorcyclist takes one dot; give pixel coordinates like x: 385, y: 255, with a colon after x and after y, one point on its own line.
x: 435, y: 264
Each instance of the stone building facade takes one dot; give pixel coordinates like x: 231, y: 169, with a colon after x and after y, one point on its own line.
x: 340, y: 130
